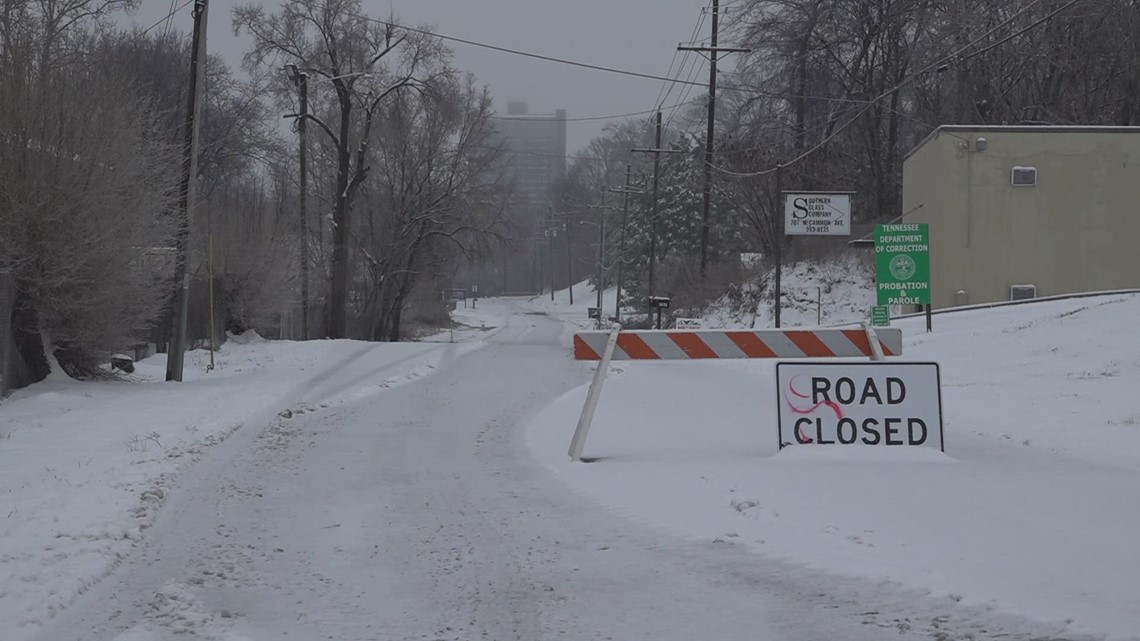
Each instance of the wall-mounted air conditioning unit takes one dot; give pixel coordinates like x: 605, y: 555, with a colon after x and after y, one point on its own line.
x: 1022, y: 292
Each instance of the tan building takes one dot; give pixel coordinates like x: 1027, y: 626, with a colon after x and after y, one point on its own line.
x: 1056, y: 208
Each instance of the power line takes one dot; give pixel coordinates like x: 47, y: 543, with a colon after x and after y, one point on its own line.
x: 539, y: 56
x: 667, y: 88
x: 691, y: 82
x: 167, y: 18
x: 592, y: 118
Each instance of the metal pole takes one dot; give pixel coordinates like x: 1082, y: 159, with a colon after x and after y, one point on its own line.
x: 653, y: 219
x: 176, y: 357
x: 709, y: 143
x: 303, y: 86
x: 550, y: 259
x: 779, y: 242
x: 819, y: 306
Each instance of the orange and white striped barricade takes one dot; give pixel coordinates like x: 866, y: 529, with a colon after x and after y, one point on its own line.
x: 657, y: 345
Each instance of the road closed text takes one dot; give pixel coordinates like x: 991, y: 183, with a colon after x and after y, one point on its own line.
x: 871, y: 404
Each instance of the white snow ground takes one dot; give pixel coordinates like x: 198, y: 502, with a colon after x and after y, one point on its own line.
x: 85, y: 467
x: 1034, y: 510
x: 386, y: 504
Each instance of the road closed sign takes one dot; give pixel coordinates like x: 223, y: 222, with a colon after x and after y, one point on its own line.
x: 859, y: 404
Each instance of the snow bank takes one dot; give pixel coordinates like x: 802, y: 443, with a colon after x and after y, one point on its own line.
x: 814, y: 293
x: 1033, y: 510
x: 85, y: 467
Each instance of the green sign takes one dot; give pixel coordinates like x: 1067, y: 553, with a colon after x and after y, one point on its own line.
x: 902, y: 264
x: 880, y: 316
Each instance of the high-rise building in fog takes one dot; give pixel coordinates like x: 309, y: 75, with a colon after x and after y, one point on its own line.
x: 537, y: 151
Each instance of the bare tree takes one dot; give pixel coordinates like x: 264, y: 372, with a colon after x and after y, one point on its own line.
x: 360, y: 62
x: 82, y: 188
x: 439, y: 194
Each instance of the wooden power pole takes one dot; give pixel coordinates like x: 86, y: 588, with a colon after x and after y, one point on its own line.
x: 656, y: 151
x: 177, y: 353
x: 625, y: 191
x: 714, y: 52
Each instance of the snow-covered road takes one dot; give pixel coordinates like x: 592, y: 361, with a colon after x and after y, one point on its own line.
x: 419, y: 513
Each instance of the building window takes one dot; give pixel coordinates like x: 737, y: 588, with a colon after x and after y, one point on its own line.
x: 1023, y: 177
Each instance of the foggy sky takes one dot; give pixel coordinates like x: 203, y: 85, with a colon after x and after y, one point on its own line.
x: 639, y: 35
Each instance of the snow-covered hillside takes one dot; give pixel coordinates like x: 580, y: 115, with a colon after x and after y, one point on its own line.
x: 1032, y: 511
x: 819, y: 292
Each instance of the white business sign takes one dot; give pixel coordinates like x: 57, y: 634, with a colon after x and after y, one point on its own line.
x: 817, y: 214
x: 859, y: 404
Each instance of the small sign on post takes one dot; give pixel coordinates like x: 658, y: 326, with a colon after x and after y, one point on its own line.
x: 595, y: 313
x: 880, y: 316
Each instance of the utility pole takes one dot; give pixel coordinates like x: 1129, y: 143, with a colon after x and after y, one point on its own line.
x: 552, y: 231
x: 714, y: 52
x: 569, y: 263
x: 176, y: 358
x: 541, y: 266
x: 656, y: 183
x: 625, y: 192
x: 600, y: 285
x: 656, y: 151
x: 779, y: 243
x: 301, y: 79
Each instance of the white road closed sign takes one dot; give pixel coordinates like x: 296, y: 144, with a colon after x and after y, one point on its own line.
x: 817, y: 214
x: 860, y: 404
